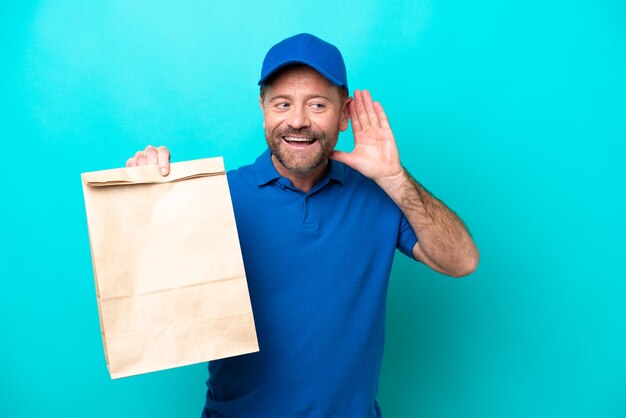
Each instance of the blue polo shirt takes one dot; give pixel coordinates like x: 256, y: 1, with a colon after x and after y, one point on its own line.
x: 318, y: 266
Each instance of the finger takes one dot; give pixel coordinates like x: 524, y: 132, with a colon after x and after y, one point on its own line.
x: 369, y: 108
x: 131, y: 162
x: 360, y: 109
x: 356, y: 125
x: 151, y: 155
x: 382, y: 117
x: 163, y: 160
x: 141, y: 158
x: 342, y: 157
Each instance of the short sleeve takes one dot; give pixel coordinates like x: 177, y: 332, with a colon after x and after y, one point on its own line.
x: 406, y: 238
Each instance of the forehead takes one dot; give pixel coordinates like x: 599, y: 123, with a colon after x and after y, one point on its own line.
x: 298, y: 79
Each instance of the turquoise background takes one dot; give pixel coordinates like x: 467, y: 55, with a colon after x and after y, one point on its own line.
x: 513, y: 113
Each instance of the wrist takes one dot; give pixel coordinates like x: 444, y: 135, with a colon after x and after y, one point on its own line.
x: 395, y: 183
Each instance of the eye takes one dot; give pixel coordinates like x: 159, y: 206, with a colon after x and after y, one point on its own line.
x: 318, y: 106
x: 282, y: 105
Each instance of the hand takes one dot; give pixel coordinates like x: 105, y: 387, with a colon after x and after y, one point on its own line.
x: 375, y: 152
x: 152, y: 155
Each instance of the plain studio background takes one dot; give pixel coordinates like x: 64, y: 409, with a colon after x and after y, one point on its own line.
x: 513, y: 113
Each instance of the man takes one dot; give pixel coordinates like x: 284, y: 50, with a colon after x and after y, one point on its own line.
x: 318, y: 230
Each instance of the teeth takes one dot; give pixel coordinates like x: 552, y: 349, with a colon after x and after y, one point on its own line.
x: 297, y: 139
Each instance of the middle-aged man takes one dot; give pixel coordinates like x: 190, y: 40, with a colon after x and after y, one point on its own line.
x: 318, y: 231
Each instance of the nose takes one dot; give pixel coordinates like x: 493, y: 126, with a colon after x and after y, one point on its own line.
x: 298, y: 118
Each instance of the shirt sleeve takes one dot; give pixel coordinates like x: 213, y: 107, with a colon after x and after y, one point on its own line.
x: 406, y: 238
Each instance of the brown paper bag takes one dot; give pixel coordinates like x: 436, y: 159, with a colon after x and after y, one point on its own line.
x: 170, y: 281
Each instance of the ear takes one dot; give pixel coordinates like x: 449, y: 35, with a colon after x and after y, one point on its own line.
x: 262, y: 110
x: 345, y: 114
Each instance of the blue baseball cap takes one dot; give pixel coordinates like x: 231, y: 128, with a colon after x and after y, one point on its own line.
x: 306, y: 49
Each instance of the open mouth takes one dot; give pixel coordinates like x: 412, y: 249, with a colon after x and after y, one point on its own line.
x: 298, y: 141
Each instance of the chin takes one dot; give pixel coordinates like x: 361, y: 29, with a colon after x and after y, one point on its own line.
x: 300, y: 166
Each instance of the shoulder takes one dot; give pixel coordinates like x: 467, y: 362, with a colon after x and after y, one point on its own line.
x: 241, y: 173
x: 246, y: 174
x: 356, y: 181
x: 242, y: 183
x: 363, y: 192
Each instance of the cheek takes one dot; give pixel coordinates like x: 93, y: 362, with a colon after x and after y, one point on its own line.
x: 270, y: 122
x: 329, y: 125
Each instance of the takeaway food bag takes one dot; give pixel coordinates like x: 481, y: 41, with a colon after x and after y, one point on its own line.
x: 170, y: 281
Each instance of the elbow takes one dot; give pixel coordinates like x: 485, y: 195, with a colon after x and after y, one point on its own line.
x: 467, y: 266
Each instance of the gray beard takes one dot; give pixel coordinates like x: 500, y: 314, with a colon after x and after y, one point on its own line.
x: 299, y: 169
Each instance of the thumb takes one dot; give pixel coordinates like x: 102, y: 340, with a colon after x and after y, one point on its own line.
x: 342, y: 157
x: 163, y: 155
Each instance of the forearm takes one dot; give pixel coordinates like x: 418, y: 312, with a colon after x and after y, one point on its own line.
x: 443, y: 238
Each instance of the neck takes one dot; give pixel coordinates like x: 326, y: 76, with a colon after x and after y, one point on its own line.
x: 302, y: 181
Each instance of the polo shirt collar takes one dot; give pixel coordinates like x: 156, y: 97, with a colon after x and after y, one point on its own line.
x: 266, y: 172
x: 264, y: 168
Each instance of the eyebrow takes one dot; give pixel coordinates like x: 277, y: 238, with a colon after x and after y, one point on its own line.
x: 289, y: 97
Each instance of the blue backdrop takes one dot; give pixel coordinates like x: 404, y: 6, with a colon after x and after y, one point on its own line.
x: 513, y: 113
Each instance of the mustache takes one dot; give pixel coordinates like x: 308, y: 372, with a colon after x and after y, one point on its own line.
x: 308, y: 132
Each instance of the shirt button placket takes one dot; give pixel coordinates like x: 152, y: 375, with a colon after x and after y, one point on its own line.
x: 304, y: 206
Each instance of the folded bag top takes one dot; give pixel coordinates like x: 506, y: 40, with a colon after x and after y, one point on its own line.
x: 149, y: 174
